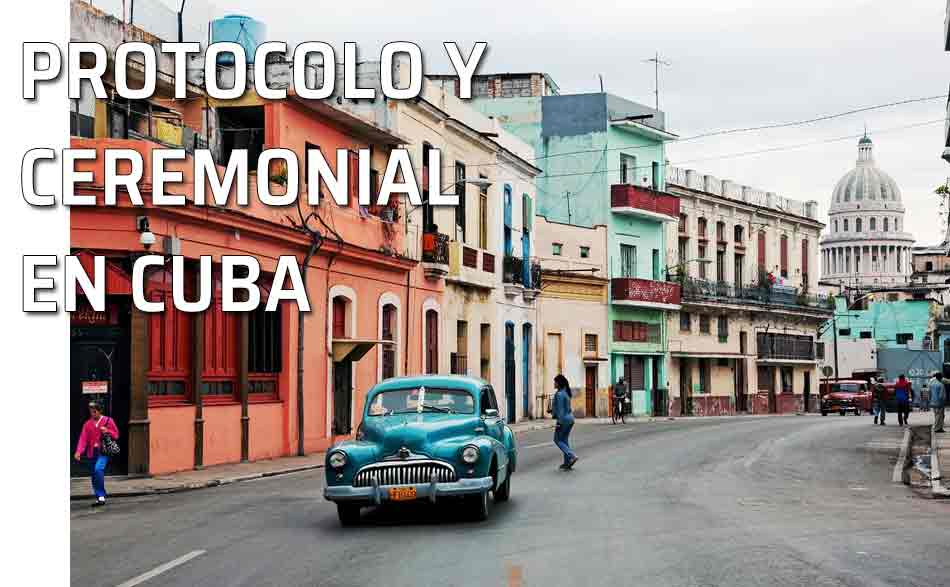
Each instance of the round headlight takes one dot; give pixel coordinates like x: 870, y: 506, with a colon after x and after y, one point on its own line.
x: 469, y: 454
x: 337, y: 459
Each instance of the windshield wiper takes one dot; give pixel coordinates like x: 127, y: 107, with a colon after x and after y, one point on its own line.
x: 437, y: 408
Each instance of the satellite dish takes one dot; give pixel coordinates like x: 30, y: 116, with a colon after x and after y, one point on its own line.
x: 827, y: 370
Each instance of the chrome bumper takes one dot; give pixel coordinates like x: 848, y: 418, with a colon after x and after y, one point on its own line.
x: 379, y: 493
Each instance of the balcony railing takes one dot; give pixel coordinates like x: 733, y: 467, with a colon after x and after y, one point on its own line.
x: 435, y: 248
x: 780, y: 347
x: 695, y: 290
x: 513, y: 270
x: 644, y: 292
x: 641, y: 201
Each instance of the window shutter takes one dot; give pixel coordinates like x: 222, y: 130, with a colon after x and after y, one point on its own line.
x: 528, y: 213
x: 507, y: 206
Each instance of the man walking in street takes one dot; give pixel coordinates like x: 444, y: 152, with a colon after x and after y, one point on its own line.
x: 903, y: 391
x: 877, y: 396
x: 937, y: 401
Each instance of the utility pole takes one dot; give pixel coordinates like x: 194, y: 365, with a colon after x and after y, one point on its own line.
x: 567, y: 195
x: 657, y: 62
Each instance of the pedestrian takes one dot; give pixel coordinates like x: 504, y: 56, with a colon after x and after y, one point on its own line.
x: 90, y: 447
x: 937, y: 401
x: 620, y: 393
x: 565, y: 420
x: 880, y: 405
x: 903, y: 392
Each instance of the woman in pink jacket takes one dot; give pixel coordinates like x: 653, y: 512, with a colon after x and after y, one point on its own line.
x: 89, y: 446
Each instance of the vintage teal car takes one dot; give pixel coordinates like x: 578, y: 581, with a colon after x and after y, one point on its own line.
x: 426, y: 437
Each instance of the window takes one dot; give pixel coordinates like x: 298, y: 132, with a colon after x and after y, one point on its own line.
x: 737, y: 272
x: 428, y: 212
x: 904, y: 337
x: 585, y: 252
x: 353, y: 169
x: 721, y: 231
x: 483, y: 214
x: 704, y: 323
x: 886, y: 224
x: 819, y: 350
x: 628, y: 261
x: 845, y: 225
x: 686, y: 322
x: 857, y: 225
x: 737, y: 234
x: 783, y: 254
x: 220, y: 353
x: 460, y: 208
x: 704, y: 376
x: 339, y: 317
x: 929, y: 266
x: 681, y: 255
x: 897, y: 225
x: 556, y: 249
x: 590, y: 344
x: 264, y: 346
x: 241, y: 127
x: 720, y: 266
x: 308, y: 147
x: 628, y: 169
x: 627, y: 331
x: 805, y: 256
x: 432, y: 342
x: 873, y: 222
x: 864, y: 334
x: 702, y: 264
x: 389, y: 333
x: 656, y: 264
x: 485, y: 357
x: 836, y: 226
x: 786, y: 375
x: 844, y: 332
x: 170, y: 343
x: 722, y: 328
x: 683, y: 224
x: 701, y: 227
x: 459, y: 358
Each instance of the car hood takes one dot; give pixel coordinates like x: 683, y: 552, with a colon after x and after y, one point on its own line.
x: 840, y: 395
x: 417, y: 432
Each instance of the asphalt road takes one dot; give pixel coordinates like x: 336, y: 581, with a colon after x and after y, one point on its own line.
x: 720, y: 501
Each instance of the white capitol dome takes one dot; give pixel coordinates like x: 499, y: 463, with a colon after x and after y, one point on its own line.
x: 865, y: 244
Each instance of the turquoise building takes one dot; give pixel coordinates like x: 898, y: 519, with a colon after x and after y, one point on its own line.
x: 603, y: 163
x: 892, y: 324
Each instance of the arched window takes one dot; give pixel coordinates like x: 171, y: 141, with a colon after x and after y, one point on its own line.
x: 857, y: 225
x: 887, y: 223
x: 874, y: 224
x: 389, y: 326
x: 845, y: 225
x: 737, y: 234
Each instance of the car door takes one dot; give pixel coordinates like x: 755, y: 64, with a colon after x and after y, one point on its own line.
x: 492, y: 422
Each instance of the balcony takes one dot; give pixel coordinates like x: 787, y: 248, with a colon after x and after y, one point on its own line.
x: 644, y: 202
x: 435, y: 255
x: 465, y: 269
x: 646, y: 293
x: 704, y: 291
x: 521, y: 277
x: 785, y: 348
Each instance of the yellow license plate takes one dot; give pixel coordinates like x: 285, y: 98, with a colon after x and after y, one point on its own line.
x: 402, y: 493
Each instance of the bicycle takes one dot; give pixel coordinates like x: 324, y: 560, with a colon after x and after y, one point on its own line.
x: 617, y: 413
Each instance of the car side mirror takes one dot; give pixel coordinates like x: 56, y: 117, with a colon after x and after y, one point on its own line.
x: 490, y: 413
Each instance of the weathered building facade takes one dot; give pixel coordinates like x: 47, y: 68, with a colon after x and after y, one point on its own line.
x: 745, y: 338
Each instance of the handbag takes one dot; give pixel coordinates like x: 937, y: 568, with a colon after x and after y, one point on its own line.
x: 107, y: 445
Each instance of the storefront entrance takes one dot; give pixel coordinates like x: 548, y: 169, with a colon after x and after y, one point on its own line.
x: 99, y: 371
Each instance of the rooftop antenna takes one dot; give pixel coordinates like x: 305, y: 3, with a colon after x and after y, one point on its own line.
x: 657, y: 62
x: 601, y: 82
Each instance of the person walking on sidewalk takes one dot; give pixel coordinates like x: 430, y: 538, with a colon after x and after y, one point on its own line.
x: 565, y: 420
x: 90, y: 447
x: 937, y: 401
x: 903, y: 392
x: 880, y: 406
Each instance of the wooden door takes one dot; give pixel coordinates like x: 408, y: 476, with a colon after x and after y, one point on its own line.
x: 342, y: 397
x: 590, y: 391
x: 432, y: 342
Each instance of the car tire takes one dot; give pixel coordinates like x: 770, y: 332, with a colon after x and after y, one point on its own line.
x: 479, y: 506
x: 841, y: 413
x: 824, y: 412
x: 349, y: 514
x: 504, y: 492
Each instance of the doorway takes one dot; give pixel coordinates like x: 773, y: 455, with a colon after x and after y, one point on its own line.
x: 686, y: 387
x: 526, y: 369
x: 741, y: 379
x: 806, y: 391
x: 510, y: 370
x: 590, y: 391
x: 99, y: 357
x: 634, y: 377
x: 342, y: 397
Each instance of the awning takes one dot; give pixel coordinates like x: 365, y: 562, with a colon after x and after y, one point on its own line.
x: 354, y: 349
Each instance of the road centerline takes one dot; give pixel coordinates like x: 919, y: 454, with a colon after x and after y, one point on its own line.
x: 138, y: 580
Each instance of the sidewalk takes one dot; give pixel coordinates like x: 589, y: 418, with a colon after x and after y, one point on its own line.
x: 940, y: 464
x: 120, y: 486
x: 927, y: 456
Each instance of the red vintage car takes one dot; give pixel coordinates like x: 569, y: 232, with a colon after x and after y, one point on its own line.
x: 845, y: 395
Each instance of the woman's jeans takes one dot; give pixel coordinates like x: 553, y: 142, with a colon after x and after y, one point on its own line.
x: 562, y: 433
x: 97, y: 471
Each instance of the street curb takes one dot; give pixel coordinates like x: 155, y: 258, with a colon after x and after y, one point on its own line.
x: 937, y: 488
x: 900, y: 467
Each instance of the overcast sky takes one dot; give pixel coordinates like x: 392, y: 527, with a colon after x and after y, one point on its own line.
x: 735, y: 63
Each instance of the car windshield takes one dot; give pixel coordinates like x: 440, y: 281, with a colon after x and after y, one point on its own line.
x: 401, y: 401
x: 845, y: 387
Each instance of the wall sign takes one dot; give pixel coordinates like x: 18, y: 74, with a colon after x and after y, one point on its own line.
x: 95, y: 387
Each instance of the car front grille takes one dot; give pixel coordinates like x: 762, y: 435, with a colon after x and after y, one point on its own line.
x: 406, y: 473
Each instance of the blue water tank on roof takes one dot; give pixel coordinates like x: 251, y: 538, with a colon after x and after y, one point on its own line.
x: 240, y: 29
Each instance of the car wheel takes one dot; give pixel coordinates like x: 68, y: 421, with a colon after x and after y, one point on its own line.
x: 841, y: 413
x: 478, y: 506
x: 349, y: 514
x: 504, y: 492
x: 824, y: 412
